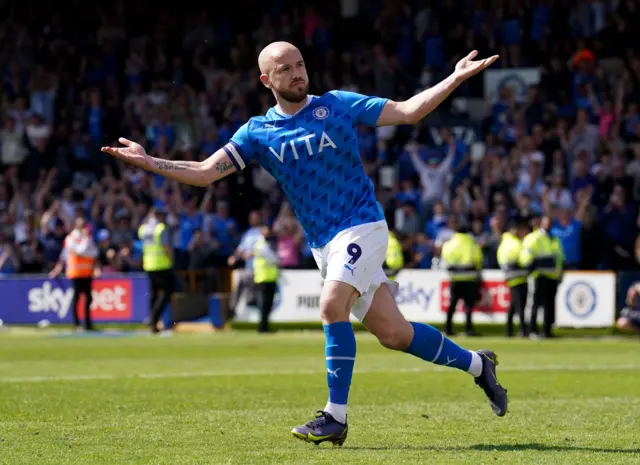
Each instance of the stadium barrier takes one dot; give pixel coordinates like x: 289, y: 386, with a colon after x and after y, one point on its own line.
x: 584, y: 299
x: 37, y: 299
x: 117, y: 298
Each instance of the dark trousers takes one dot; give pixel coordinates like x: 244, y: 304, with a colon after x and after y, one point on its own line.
x: 468, y: 292
x: 162, y: 288
x: 544, y: 296
x: 554, y: 291
x: 82, y: 286
x: 266, y: 294
x: 518, y: 303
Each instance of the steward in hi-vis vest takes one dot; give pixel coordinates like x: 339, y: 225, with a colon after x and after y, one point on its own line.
x: 157, y: 262
x: 462, y: 258
x: 265, y: 274
x: 515, y: 274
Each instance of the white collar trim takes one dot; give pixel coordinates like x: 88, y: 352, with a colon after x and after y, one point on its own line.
x: 281, y: 112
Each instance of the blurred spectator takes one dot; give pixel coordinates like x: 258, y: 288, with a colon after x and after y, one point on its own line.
x: 557, y: 194
x: 190, y: 221
x: 53, y: 241
x: 12, y: 143
x: 289, y: 236
x: 223, y: 227
x: 568, y: 223
x: 629, y: 319
x: 30, y: 250
x: 422, y: 253
x: 433, y: 174
x: 247, y: 241
x: 407, y: 220
x: 618, y: 220
x: 9, y: 259
x: 201, y: 251
x: 438, y: 220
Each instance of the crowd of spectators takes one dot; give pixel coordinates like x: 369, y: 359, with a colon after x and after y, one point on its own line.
x: 180, y: 82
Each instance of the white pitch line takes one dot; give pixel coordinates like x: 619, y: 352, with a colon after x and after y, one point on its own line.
x: 206, y: 374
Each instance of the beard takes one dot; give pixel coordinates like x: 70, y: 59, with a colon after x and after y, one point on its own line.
x: 295, y: 95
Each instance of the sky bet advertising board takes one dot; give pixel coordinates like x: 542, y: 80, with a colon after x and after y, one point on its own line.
x: 121, y: 298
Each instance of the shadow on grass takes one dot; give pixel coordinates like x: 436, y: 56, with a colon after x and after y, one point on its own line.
x: 501, y: 448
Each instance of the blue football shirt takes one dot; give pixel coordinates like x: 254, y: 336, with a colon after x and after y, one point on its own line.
x: 314, y: 156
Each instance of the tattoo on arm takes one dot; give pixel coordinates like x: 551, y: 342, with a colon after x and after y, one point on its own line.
x: 169, y: 165
x: 223, y: 166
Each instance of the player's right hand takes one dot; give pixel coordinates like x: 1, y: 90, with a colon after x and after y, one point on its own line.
x: 132, y: 152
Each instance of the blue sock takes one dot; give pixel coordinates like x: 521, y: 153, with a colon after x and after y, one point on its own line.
x: 340, y: 352
x: 431, y: 345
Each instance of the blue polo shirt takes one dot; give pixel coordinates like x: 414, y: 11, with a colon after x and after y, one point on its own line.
x: 570, y: 237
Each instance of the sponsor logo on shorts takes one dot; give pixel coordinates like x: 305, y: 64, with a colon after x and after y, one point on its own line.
x: 350, y: 268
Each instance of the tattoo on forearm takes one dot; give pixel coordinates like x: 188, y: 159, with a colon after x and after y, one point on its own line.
x: 223, y: 166
x: 169, y: 165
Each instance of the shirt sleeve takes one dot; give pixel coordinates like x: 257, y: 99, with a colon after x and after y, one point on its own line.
x: 445, y: 165
x: 362, y: 108
x: 420, y: 166
x: 444, y: 255
x: 245, y: 242
x: 240, y: 148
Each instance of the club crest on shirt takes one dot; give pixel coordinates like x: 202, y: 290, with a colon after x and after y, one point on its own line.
x: 320, y: 112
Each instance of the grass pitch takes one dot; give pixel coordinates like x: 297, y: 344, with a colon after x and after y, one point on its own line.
x: 233, y: 398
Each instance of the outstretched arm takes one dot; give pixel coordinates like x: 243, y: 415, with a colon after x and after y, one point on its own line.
x: 417, y: 107
x: 196, y: 173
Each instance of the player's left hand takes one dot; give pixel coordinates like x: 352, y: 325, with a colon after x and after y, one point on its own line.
x: 467, y: 67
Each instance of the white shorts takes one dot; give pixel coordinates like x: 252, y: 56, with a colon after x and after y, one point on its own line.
x: 355, y: 257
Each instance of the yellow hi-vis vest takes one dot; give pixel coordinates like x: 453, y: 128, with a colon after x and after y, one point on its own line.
x: 558, y: 253
x: 509, y: 252
x: 537, y: 254
x: 394, y: 258
x: 462, y: 257
x: 264, y: 271
x: 154, y: 255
